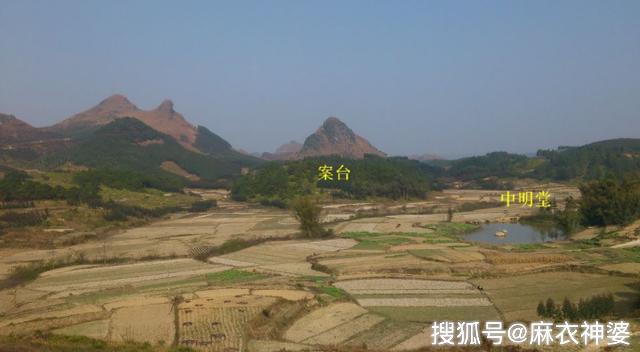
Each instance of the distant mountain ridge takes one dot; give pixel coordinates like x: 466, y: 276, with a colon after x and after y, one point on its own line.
x: 286, y: 151
x: 13, y: 130
x: 117, y: 134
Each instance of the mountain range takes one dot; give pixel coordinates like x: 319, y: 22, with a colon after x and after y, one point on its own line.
x: 333, y: 137
x: 117, y: 134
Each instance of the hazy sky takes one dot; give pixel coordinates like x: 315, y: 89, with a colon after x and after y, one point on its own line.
x: 446, y: 77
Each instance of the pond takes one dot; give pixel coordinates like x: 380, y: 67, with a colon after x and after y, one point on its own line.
x: 515, y: 234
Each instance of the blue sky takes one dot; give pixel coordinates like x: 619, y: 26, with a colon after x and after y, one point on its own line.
x: 447, y: 77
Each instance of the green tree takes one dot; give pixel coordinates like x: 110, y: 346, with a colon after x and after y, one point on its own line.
x: 307, y: 211
x: 610, y: 201
x: 550, y: 307
x: 569, y: 219
x: 542, y: 311
x: 450, y: 214
x: 568, y: 310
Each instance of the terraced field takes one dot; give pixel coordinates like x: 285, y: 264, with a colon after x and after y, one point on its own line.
x: 418, y: 300
x: 287, y: 258
x: 378, y: 285
x: 331, y: 325
x: 88, y: 278
x: 217, y: 322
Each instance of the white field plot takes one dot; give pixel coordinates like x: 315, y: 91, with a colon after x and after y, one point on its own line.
x: 413, y: 293
x: 93, y: 278
x: 283, y: 257
x: 419, y: 300
x: 331, y: 325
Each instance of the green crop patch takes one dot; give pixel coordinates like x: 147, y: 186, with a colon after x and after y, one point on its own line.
x: 233, y: 276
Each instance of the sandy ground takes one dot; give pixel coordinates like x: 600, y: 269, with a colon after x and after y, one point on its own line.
x: 151, y: 323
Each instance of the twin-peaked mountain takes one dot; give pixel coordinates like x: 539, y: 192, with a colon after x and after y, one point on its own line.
x: 117, y: 135
x: 162, y: 119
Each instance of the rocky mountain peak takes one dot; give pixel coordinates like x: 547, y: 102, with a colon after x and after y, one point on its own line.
x: 166, y: 106
x: 334, y: 137
x: 116, y: 103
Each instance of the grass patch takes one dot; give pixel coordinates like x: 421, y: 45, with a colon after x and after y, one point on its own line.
x: 451, y: 229
x: 22, y: 274
x: 445, y: 232
x: 333, y: 291
x: 425, y: 253
x: 376, y: 240
x: 471, y: 206
x: 382, y: 243
x: 527, y: 247
x: 229, y: 246
x: 233, y: 276
x: 147, y: 198
x: 60, y: 343
x: 358, y: 235
x: 322, y: 286
x: 634, y: 253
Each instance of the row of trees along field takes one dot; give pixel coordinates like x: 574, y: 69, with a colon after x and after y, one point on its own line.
x: 595, y: 307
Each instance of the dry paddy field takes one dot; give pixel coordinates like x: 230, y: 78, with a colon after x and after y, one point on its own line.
x: 331, y: 325
x: 419, y: 300
x: 390, y: 314
x: 216, y: 320
x: 86, y: 293
x: 517, y: 296
x: 176, y: 236
x: 88, y: 278
x: 287, y: 258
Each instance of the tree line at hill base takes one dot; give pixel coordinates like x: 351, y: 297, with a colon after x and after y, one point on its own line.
x: 19, y: 190
x: 605, y: 202
x: 611, y: 158
x: 278, y: 183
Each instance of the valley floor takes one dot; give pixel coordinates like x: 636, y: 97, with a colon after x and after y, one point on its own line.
x: 377, y: 285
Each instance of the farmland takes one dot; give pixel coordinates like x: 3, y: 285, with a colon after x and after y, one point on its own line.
x: 235, y: 278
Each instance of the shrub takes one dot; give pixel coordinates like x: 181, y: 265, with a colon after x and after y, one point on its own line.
x: 307, y: 211
x: 203, y: 205
x: 31, y: 218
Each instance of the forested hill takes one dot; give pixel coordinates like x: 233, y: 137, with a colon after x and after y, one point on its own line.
x: 129, y: 144
x: 372, y: 176
x: 614, y: 157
